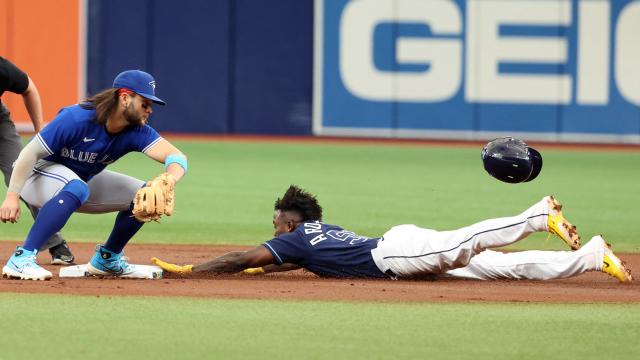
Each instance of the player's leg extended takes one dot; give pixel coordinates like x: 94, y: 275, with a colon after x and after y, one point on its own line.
x: 410, y: 250
x: 530, y: 265
x: 113, y: 191
x: 60, y: 193
x: 545, y: 215
x: 596, y: 255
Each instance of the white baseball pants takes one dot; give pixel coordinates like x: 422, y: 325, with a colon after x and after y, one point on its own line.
x: 408, y: 250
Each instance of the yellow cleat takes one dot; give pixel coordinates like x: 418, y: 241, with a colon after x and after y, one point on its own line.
x: 558, y: 225
x: 612, y: 265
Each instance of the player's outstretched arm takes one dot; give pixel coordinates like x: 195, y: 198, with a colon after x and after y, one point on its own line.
x: 229, y: 263
x: 234, y: 262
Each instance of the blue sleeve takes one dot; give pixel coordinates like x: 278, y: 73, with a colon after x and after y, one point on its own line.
x: 145, y: 138
x: 287, y: 248
x: 59, y: 132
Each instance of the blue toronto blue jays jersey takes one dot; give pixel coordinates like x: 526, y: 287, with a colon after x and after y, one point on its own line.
x: 76, y: 141
x: 326, y: 250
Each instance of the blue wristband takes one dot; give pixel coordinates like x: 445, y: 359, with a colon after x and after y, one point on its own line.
x: 176, y: 159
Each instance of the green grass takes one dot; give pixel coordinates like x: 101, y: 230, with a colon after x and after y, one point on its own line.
x: 39, y: 327
x: 228, y: 195
x: 227, y: 198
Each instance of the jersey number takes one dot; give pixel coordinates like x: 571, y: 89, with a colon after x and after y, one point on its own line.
x: 344, y: 235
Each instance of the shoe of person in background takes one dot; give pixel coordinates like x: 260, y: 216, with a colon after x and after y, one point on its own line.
x: 61, y: 254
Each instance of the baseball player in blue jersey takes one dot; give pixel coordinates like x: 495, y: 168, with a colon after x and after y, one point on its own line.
x: 62, y: 171
x: 405, y: 251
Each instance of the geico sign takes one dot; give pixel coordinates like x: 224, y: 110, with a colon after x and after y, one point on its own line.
x: 485, y: 49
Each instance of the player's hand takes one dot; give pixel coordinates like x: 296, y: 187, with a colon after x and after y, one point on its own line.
x: 173, y: 268
x: 10, y: 210
x: 253, y: 271
x: 155, y: 199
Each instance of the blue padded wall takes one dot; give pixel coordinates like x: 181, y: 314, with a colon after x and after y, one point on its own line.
x: 222, y: 66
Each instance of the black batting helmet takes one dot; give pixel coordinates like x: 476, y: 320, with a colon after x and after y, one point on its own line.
x: 510, y: 160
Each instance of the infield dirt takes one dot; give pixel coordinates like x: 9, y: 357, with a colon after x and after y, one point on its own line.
x: 299, y: 285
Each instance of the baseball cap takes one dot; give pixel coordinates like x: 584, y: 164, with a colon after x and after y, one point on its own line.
x: 139, y: 82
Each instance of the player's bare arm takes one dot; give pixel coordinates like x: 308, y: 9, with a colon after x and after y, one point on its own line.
x: 165, y: 152
x: 234, y: 262
x: 229, y: 263
x: 33, y: 104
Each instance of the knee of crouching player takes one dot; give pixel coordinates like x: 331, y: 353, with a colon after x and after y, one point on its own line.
x: 79, y: 189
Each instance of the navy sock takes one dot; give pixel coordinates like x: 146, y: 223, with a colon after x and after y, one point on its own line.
x: 123, y: 230
x: 51, y: 218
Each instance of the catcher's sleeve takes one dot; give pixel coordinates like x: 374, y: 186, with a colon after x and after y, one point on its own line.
x: 172, y: 268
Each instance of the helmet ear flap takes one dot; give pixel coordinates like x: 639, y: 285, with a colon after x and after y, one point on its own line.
x: 536, y: 161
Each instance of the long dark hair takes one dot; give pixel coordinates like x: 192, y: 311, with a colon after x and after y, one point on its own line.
x: 301, y: 202
x: 104, y: 102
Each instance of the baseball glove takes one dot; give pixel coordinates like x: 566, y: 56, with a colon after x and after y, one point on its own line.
x: 155, y: 199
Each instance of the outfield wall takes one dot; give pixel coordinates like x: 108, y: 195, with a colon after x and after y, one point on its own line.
x: 556, y: 70
x: 223, y: 66
x: 49, y: 48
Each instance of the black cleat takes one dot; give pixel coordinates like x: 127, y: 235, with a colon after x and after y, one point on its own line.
x: 61, y: 254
